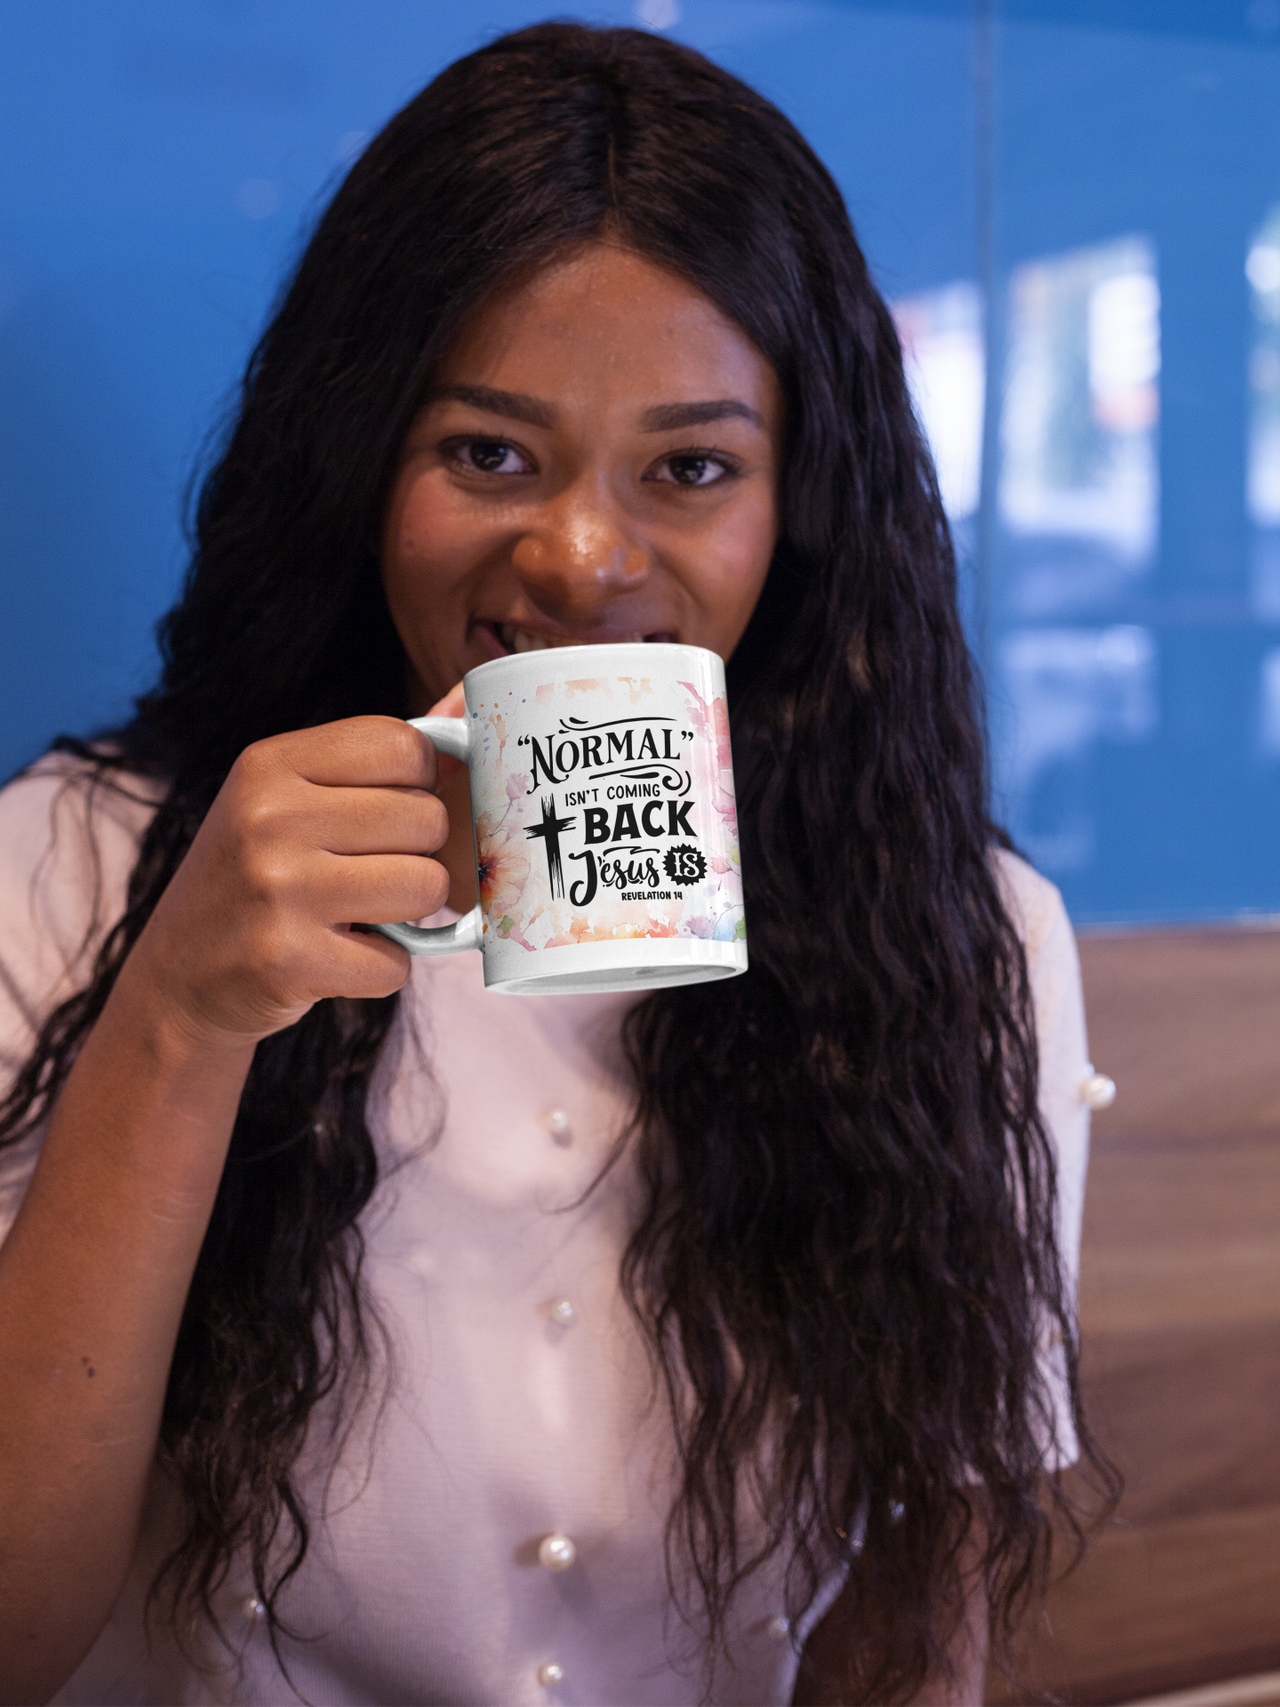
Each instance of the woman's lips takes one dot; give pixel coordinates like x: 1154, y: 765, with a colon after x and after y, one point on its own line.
x: 511, y: 637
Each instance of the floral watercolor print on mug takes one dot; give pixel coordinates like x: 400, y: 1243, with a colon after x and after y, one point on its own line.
x: 618, y: 819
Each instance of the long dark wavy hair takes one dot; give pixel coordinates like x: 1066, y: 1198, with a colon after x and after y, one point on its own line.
x: 846, y: 1260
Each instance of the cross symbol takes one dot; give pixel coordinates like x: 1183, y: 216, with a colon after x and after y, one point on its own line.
x: 549, y: 832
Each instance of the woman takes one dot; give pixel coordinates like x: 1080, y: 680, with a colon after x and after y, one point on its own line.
x: 428, y: 1347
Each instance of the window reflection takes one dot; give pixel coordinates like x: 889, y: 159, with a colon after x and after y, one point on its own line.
x: 1262, y: 269
x: 1079, y: 490
x: 944, y: 350
x: 1270, y: 722
x: 1065, y: 690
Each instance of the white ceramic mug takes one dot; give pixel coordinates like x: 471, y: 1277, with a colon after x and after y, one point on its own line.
x: 603, y: 814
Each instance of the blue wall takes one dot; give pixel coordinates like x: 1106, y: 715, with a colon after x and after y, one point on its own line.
x: 1096, y: 176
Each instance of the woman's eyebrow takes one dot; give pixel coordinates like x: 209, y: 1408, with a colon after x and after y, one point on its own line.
x: 516, y: 405
x: 664, y: 417
x: 661, y: 418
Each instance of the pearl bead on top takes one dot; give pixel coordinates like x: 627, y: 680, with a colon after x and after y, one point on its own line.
x: 549, y: 1673
x: 1097, y: 1091
x: 557, y: 1123
x: 561, y: 1311
x: 556, y: 1552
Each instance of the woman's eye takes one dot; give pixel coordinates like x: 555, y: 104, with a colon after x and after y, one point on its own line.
x: 489, y: 456
x: 692, y: 468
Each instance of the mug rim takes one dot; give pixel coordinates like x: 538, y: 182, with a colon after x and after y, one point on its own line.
x: 648, y: 646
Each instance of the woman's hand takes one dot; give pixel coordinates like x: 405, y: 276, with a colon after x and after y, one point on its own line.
x: 311, y: 832
x: 454, y: 704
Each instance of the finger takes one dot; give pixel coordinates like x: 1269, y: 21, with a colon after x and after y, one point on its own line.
x: 453, y: 704
x: 365, y: 966
x: 359, y: 962
x: 380, y: 889
x: 359, y: 752
x: 370, y: 820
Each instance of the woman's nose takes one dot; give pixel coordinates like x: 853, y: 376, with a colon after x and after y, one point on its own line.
x: 580, y: 552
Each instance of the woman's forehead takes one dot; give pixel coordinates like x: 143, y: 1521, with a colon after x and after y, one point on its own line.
x: 607, y: 320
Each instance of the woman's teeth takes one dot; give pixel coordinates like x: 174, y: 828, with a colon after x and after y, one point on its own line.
x: 523, y: 640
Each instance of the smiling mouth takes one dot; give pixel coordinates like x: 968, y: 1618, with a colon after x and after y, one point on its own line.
x: 512, y: 638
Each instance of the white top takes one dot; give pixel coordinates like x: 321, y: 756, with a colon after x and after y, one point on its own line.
x: 511, y: 1416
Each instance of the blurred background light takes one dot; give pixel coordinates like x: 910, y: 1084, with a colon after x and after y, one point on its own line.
x: 1262, y: 269
x: 657, y: 14
x: 1069, y: 689
x: 944, y: 349
x: 1079, y: 467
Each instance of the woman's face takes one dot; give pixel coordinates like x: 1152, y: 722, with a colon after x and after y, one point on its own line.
x: 597, y: 460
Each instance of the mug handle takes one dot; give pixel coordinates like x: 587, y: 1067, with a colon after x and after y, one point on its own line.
x: 449, y: 735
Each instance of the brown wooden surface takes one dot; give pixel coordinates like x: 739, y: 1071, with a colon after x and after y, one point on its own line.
x: 1180, y: 1323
